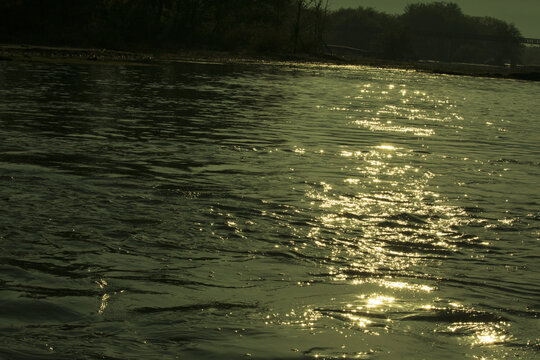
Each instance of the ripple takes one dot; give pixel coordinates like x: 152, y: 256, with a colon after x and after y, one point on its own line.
x: 280, y: 210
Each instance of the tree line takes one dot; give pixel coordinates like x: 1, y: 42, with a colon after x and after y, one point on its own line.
x: 434, y: 31
x: 253, y: 25
x: 437, y: 31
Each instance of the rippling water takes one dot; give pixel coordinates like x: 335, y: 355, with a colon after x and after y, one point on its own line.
x: 271, y: 211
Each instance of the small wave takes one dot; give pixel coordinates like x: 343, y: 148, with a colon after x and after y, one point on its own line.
x: 42, y: 292
x: 293, y: 255
x: 473, y: 209
x: 409, y: 247
x: 344, y: 315
x: 514, y: 161
x: 409, y: 218
x: 174, y: 282
x: 26, y: 354
x: 454, y: 315
x: 36, y: 311
x: 72, y: 270
x: 195, y: 307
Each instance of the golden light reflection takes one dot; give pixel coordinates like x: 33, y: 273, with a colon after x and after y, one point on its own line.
x: 104, y: 303
x: 489, y: 337
x: 383, y: 211
x: 379, y: 300
x: 386, y: 147
x: 102, y: 283
x: 404, y: 118
x: 307, y: 319
x: 388, y: 207
x: 326, y: 187
x: 481, y: 334
x: 404, y: 285
x: 359, y: 321
x: 375, y: 124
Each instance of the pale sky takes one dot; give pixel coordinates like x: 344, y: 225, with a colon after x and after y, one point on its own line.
x: 525, y: 14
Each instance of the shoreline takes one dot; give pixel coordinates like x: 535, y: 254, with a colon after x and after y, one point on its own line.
x: 21, y: 52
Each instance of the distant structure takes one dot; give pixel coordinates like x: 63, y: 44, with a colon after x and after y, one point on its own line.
x: 345, y: 50
x: 530, y: 41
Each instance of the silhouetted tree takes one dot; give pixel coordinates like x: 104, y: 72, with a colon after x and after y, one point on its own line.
x: 361, y: 28
x: 436, y: 31
x: 216, y: 24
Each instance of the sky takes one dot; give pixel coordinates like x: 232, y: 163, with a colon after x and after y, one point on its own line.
x: 525, y: 14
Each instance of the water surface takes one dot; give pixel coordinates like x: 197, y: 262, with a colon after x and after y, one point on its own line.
x: 267, y: 211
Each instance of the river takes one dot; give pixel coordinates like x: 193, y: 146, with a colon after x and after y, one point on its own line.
x: 267, y: 211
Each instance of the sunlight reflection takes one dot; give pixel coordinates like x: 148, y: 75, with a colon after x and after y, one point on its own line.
x: 379, y: 300
x: 489, y: 337
x: 386, y: 202
x: 376, y: 125
x: 404, y: 285
x: 481, y: 333
x: 387, y: 219
x: 104, y: 303
x: 358, y: 320
x: 386, y: 147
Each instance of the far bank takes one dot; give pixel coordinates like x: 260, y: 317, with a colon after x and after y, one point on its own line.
x: 25, y: 52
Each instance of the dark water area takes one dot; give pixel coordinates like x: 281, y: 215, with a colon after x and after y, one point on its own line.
x: 267, y: 211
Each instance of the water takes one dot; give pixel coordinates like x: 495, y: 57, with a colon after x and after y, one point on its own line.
x: 267, y: 211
